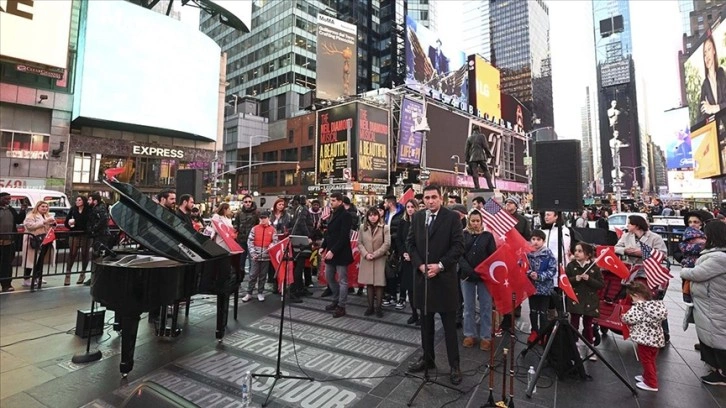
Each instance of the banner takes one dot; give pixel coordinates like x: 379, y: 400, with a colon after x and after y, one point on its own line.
x: 676, y: 140
x: 409, y: 142
x: 484, y: 87
x: 372, y: 145
x: 336, y: 58
x: 336, y: 130
x: 706, y: 57
x: 705, y: 151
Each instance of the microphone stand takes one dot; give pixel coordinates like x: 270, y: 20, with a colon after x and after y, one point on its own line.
x: 426, y: 379
x: 88, y: 357
x: 278, y: 375
x: 490, y: 401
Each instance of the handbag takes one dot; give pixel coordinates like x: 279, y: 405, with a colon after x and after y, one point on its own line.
x: 36, y: 241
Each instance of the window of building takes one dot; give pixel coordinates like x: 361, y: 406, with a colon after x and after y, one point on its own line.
x: 269, y: 156
x: 289, y: 154
x: 24, y: 145
x: 288, y: 177
x: 311, y: 132
x: 306, y: 153
x: 82, y: 167
x: 269, y: 178
x: 290, y: 135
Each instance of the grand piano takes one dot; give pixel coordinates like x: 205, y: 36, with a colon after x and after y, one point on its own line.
x: 175, y: 263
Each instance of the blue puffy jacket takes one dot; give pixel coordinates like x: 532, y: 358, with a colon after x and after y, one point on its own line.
x: 545, y: 264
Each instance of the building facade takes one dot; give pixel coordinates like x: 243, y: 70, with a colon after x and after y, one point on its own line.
x: 520, y: 50
x: 476, y: 34
x: 588, y: 170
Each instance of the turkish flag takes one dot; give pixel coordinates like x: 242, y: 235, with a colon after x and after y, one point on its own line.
x: 227, y: 233
x: 618, y: 232
x: 49, y: 237
x: 353, y: 268
x: 517, y: 241
x: 409, y: 194
x: 566, y: 286
x: 608, y: 260
x: 503, y: 276
x: 277, y: 252
x: 113, y: 172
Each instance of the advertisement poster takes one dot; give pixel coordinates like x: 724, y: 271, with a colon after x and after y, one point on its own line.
x: 705, y: 151
x: 684, y: 182
x: 515, y: 113
x: 620, y: 132
x: 372, y: 145
x: 336, y: 57
x: 484, y: 87
x: 336, y: 128
x: 434, y: 61
x: 706, y: 60
x: 409, y: 142
x: 675, y: 140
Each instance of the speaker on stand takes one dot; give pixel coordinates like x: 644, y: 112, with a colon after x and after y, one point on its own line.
x: 557, y: 176
x: 190, y: 181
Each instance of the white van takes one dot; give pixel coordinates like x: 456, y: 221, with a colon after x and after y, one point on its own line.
x: 58, y: 202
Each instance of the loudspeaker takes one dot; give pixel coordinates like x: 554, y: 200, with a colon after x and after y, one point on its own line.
x: 86, y: 322
x: 556, y: 176
x: 190, y: 181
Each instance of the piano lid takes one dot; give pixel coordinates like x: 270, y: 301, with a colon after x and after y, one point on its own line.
x: 158, y: 229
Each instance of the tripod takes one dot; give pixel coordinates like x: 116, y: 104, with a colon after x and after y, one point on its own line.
x: 425, y: 378
x: 285, y: 288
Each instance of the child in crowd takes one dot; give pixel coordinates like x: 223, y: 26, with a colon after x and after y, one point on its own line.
x: 644, y: 320
x: 261, y: 237
x: 542, y: 270
x: 586, y: 279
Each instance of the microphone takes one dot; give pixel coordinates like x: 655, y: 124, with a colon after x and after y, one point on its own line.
x: 428, y: 217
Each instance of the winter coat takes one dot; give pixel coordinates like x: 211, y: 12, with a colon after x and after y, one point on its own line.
x: 394, y: 221
x: 629, y: 240
x: 545, y: 264
x: 337, y: 238
x: 260, y: 239
x: 98, y: 226
x: 586, y: 290
x: 244, y: 220
x: 406, y: 271
x: 81, y: 220
x: 691, y: 246
x: 377, y: 242
x: 477, y: 248
x: 34, y: 225
x: 644, y: 320
x: 281, y: 222
x: 708, y: 289
x: 300, y: 222
x: 522, y: 226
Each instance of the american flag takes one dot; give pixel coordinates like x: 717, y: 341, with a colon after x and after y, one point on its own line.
x: 354, y: 236
x: 326, y: 213
x: 655, y: 274
x: 496, y: 219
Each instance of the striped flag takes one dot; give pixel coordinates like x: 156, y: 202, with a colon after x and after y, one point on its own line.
x: 496, y: 219
x: 326, y: 213
x: 655, y: 273
x: 354, y: 236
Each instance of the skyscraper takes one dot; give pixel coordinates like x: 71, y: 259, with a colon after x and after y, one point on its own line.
x: 520, y: 48
x: 588, y: 172
x: 617, y: 101
x: 476, y: 28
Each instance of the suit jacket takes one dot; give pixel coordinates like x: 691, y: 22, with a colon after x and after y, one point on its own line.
x: 445, y: 245
x: 477, y: 148
x: 439, y: 61
x: 337, y: 237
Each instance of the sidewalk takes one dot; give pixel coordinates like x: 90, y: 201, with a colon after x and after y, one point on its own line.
x: 355, y: 361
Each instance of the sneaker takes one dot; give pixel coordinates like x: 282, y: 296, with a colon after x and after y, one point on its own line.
x: 387, y: 302
x: 485, y: 345
x: 715, y: 378
x: 359, y: 292
x: 412, y: 320
x: 638, y: 378
x: 327, y: 292
x: 499, y: 332
x: 644, y: 386
x: 401, y: 305
x: 247, y: 298
x: 26, y: 283
x: 468, y: 342
x: 260, y: 297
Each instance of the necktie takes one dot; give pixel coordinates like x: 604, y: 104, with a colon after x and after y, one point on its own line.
x: 431, y: 223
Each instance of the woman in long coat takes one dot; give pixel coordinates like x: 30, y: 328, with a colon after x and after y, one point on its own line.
x: 374, y: 242
x: 406, y: 271
x: 38, y: 221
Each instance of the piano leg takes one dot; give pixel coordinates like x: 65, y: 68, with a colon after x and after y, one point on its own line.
x: 129, y: 328
x: 222, y: 313
x: 186, y: 311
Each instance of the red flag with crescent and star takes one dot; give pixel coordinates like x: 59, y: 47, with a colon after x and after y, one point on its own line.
x: 353, y: 268
x: 276, y: 252
x: 49, y: 237
x: 409, y: 194
x: 566, y: 286
x: 503, y: 275
x: 228, y: 236
x: 608, y: 260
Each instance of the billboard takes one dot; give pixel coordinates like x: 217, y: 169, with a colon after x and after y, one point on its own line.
x: 484, y: 87
x: 336, y: 58
x: 372, y: 151
x: 336, y: 130
x: 36, y: 31
x: 434, y: 62
x: 675, y: 139
x: 615, y: 73
x: 684, y: 182
x: 409, y: 142
x: 619, y: 130
x: 123, y: 78
x: 703, y: 102
x: 704, y: 143
x: 514, y: 112
x: 447, y: 137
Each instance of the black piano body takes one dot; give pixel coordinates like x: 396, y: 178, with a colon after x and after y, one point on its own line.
x: 177, y: 262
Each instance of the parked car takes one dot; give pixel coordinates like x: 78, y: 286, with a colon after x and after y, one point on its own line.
x: 58, y: 202
x: 620, y: 220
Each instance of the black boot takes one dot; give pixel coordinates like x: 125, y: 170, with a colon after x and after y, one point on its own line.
x: 379, y: 300
x: 369, y: 311
x: 327, y: 292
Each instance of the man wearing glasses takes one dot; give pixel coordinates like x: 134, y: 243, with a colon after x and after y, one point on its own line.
x: 247, y: 217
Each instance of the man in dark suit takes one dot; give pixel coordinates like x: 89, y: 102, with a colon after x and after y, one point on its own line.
x: 338, y: 254
x: 438, y: 59
x: 438, y: 230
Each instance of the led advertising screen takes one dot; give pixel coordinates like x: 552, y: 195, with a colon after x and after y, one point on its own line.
x: 139, y: 68
x: 484, y: 87
x: 448, y: 135
x: 337, y: 58
x: 336, y: 129
x: 371, y: 148
x: 684, y: 182
x: 675, y: 139
x: 434, y: 61
x: 409, y: 142
x: 704, y: 143
x: 514, y: 112
x: 619, y: 132
x: 35, y: 31
x: 706, y: 78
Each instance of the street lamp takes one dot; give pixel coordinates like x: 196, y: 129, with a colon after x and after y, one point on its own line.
x: 249, y: 146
